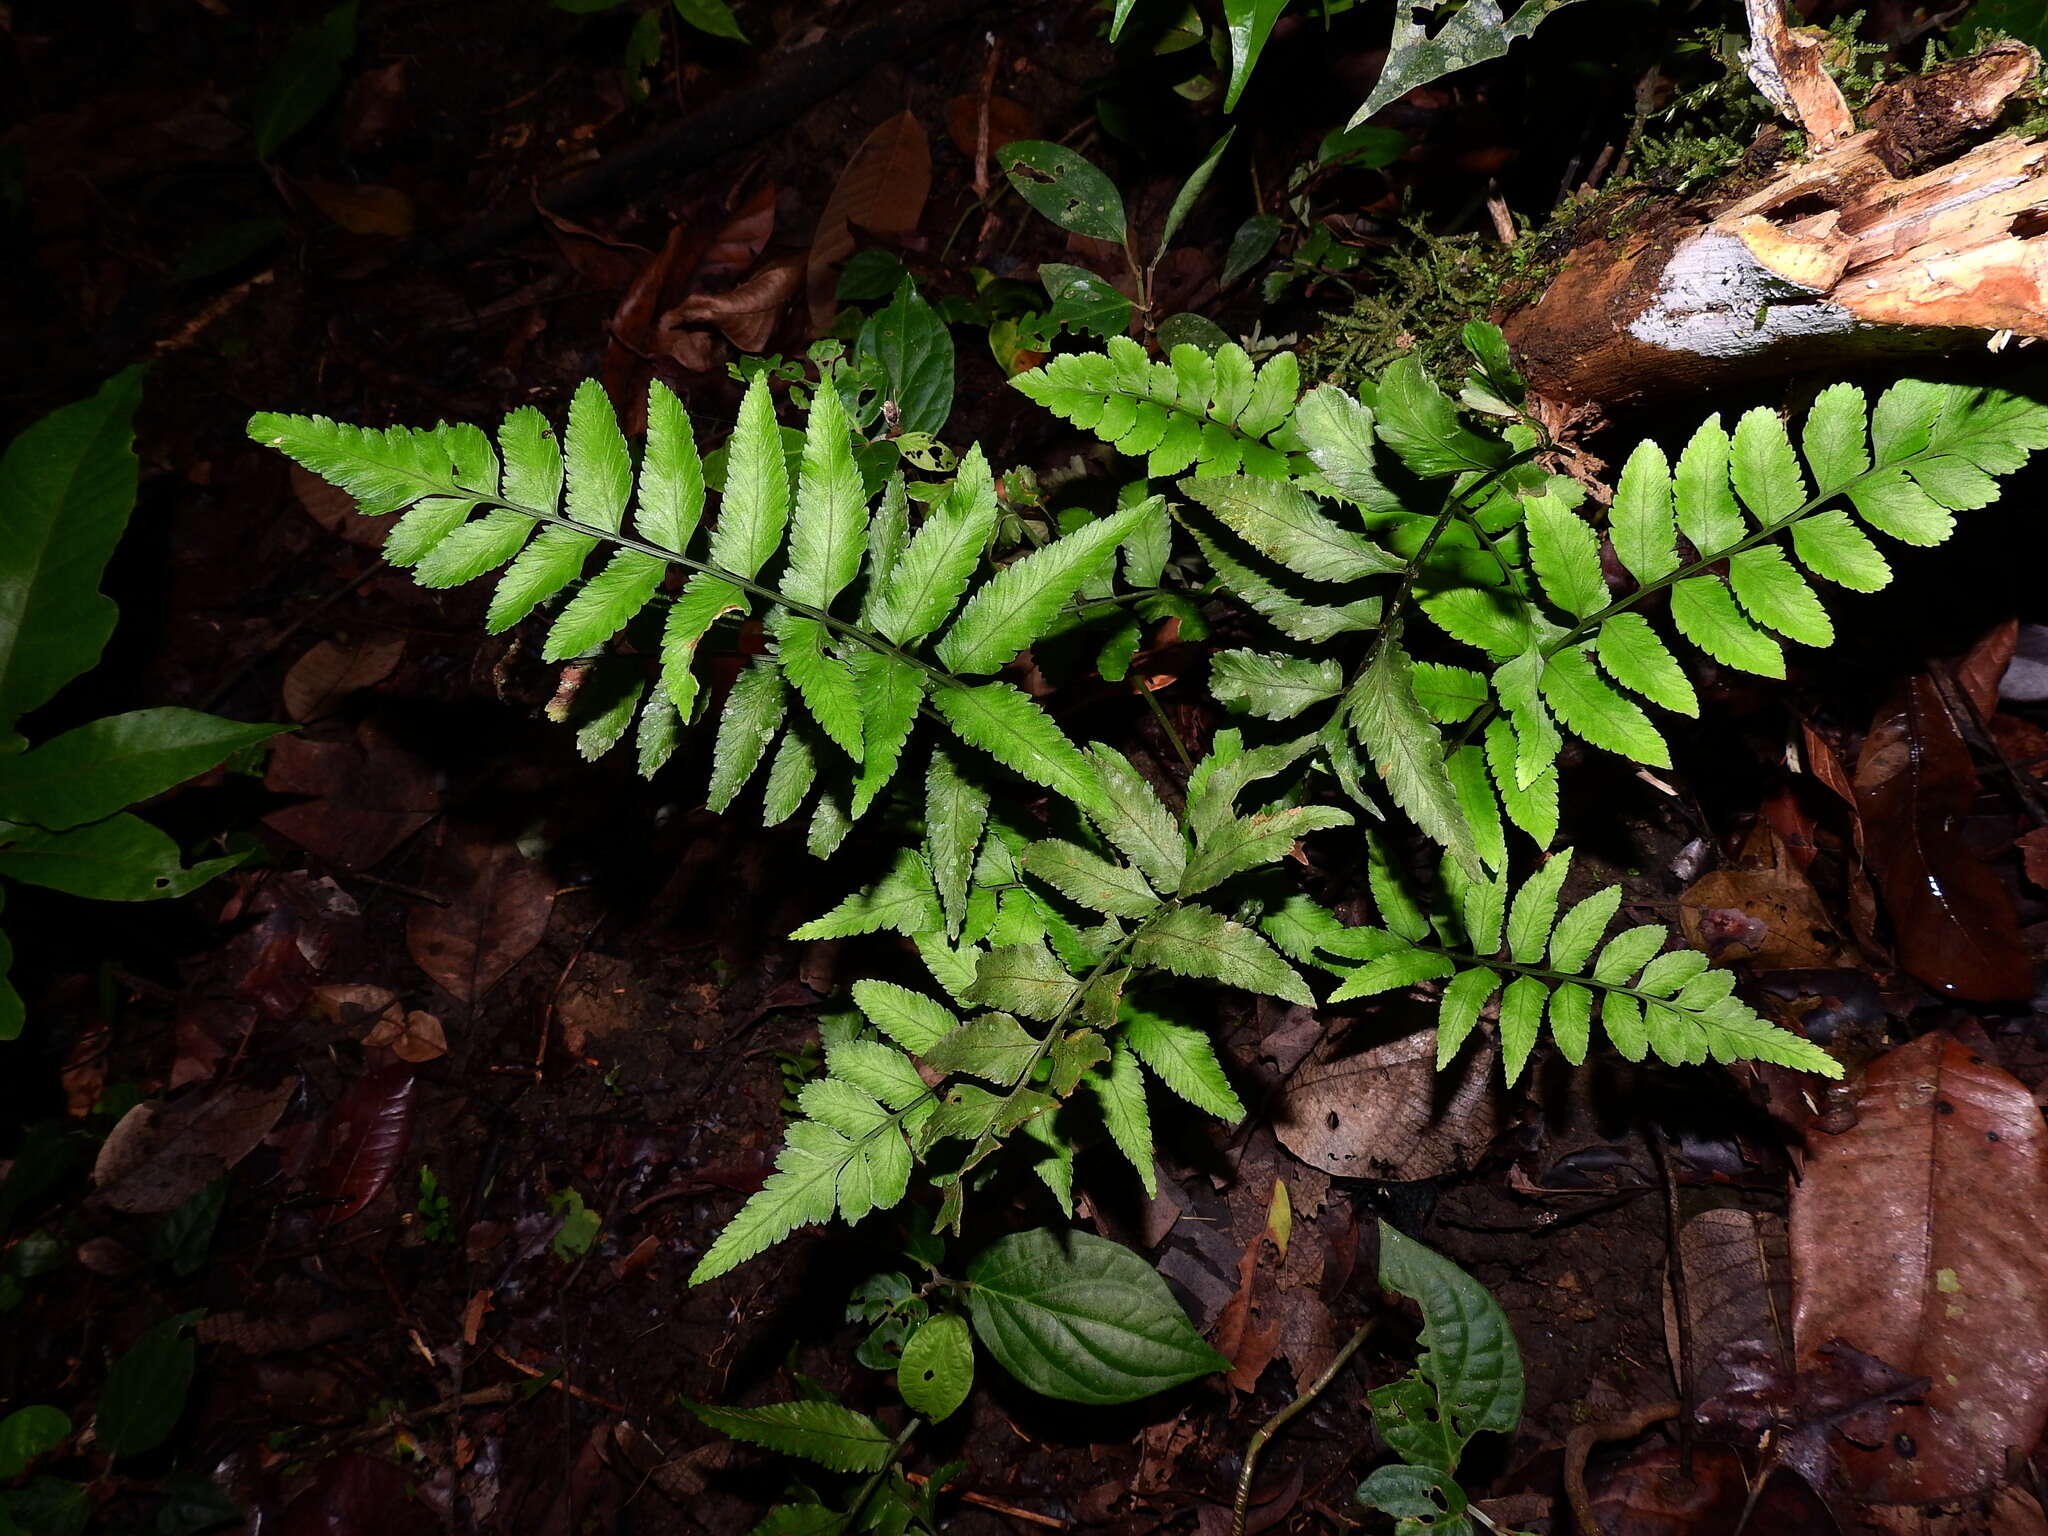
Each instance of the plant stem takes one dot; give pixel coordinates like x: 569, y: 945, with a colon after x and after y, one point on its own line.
x: 1180, y: 748
x: 1278, y: 1422
x: 867, y: 1489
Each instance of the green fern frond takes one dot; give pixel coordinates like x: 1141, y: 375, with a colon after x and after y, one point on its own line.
x: 1548, y: 969
x: 841, y: 694
x: 1213, y: 413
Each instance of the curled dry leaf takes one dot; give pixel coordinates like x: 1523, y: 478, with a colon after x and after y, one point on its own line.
x: 746, y: 315
x: 162, y: 1153
x: 497, y: 911
x: 742, y: 237
x: 1980, y: 672
x: 410, y: 1036
x: 1954, y: 924
x: 328, y: 673
x: 364, y: 1141
x: 882, y: 190
x: 1762, y: 910
x: 1387, y: 1113
x: 1915, y: 1237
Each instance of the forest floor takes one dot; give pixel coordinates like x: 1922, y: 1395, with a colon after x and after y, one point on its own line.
x: 499, y: 987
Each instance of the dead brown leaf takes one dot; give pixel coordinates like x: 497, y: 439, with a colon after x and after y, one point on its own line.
x: 362, y: 210
x: 1762, y: 910
x: 163, y: 1152
x: 368, y: 795
x: 1980, y: 672
x: 498, y: 910
x: 742, y: 237
x: 1737, y: 1283
x: 1007, y: 120
x: 1915, y: 1237
x: 1387, y: 1113
x: 882, y: 190
x: 413, y: 1036
x: 1953, y: 921
x: 746, y: 315
x: 328, y: 673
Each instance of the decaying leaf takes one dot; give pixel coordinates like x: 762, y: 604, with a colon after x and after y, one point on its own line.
x: 329, y: 672
x: 747, y: 314
x: 1387, y: 1113
x: 364, y: 1141
x: 1953, y: 921
x: 362, y: 210
x: 162, y: 1153
x: 1915, y: 1237
x: 498, y: 908
x: 882, y: 190
x: 368, y: 795
x: 1737, y: 1284
x: 1762, y: 910
x: 411, y: 1036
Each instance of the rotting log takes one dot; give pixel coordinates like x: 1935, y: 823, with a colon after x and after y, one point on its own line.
x: 1913, y: 234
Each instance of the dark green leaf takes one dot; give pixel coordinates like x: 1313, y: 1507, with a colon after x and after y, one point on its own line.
x: 914, y: 350
x: 1082, y: 1319
x: 68, y: 484
x: 89, y: 773
x: 146, y: 1389
x: 301, y: 83
x: 1065, y: 187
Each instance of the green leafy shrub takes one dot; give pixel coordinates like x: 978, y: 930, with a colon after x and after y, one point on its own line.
x: 67, y: 485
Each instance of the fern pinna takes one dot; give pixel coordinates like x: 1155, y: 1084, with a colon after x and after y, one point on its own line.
x: 1058, y: 936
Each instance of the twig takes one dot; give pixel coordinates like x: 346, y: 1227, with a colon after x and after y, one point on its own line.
x: 983, y: 1501
x: 1278, y: 1422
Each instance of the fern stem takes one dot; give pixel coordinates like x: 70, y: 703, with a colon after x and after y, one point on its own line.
x: 1465, y: 960
x: 1180, y: 748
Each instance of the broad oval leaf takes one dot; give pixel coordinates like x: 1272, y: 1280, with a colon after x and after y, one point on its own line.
x: 1065, y: 187
x: 937, y: 1369
x: 1082, y: 1319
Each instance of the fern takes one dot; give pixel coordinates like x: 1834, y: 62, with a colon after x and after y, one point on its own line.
x: 1751, y: 511
x: 1213, y: 413
x: 1008, y: 939
x: 1548, y: 970
x: 840, y: 693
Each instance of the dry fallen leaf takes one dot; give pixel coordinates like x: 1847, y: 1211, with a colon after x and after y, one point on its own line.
x: 1762, y: 911
x: 1953, y: 921
x: 882, y: 190
x: 328, y: 673
x: 164, y: 1152
x: 1387, y: 1113
x: 1915, y: 1237
x: 413, y: 1037
x: 497, y: 911
x: 362, y: 210
x: 1737, y: 1288
x: 746, y: 315
x: 369, y: 795
x: 1007, y: 120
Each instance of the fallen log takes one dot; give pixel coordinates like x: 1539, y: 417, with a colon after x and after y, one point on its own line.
x: 1901, y: 236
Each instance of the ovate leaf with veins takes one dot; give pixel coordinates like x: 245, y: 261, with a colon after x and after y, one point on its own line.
x: 1082, y: 1319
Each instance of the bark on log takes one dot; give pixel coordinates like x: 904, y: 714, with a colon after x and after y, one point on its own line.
x: 1900, y: 237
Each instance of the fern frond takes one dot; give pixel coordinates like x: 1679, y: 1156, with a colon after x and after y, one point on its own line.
x: 842, y: 694
x: 1545, y: 969
x: 1214, y: 415
x: 1735, y: 534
